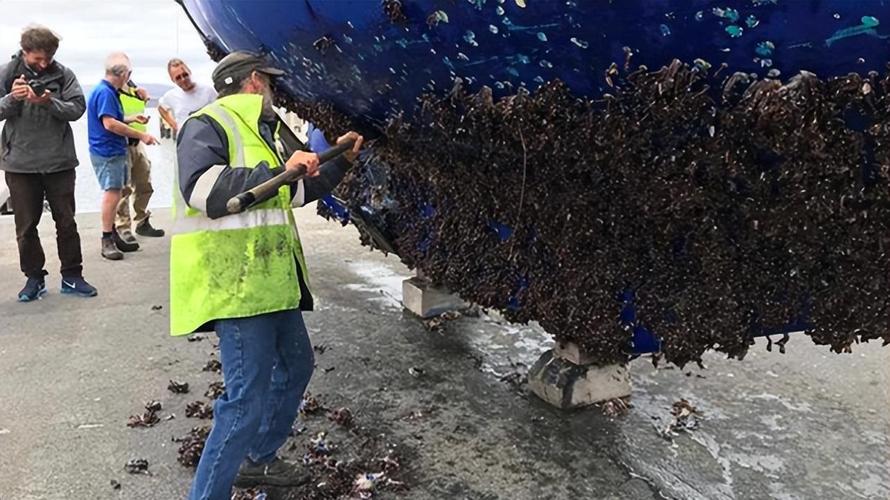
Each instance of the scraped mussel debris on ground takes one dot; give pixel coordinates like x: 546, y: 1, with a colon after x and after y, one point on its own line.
x: 249, y: 494
x: 725, y: 203
x: 360, y: 464
x: 177, y: 387
x: 192, y: 445
x: 148, y: 418
x: 616, y: 407
x: 213, y: 366
x: 199, y: 409
x: 137, y: 466
x: 346, y: 460
x: 215, y: 390
x: 367, y: 469
x: 310, y: 405
x: 684, y: 418
x: 341, y: 416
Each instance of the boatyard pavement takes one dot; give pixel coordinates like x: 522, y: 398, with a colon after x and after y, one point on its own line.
x: 449, y: 400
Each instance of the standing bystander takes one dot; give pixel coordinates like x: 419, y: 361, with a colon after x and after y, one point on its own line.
x: 133, y: 99
x: 108, y: 133
x: 38, y: 99
x: 187, y: 97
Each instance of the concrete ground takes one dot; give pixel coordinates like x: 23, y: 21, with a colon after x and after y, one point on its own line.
x: 808, y: 424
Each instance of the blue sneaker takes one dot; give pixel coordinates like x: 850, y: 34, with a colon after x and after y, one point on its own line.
x: 34, y: 289
x: 78, y: 286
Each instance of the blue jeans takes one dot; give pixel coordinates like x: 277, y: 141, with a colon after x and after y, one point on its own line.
x: 267, y: 363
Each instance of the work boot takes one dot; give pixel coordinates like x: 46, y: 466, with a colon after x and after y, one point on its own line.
x: 275, y: 473
x: 78, y: 286
x: 127, y: 236
x: 144, y: 229
x: 123, y: 245
x: 34, y: 289
x: 109, y: 250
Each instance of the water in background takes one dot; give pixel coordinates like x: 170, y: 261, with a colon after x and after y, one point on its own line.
x: 87, y: 193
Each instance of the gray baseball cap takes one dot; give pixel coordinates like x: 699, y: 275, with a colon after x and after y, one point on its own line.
x: 238, y: 65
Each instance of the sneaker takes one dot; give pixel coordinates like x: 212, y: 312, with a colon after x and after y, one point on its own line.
x: 34, y: 289
x: 122, y: 244
x: 78, y: 286
x: 275, y: 473
x: 109, y: 250
x: 127, y: 236
x: 144, y: 229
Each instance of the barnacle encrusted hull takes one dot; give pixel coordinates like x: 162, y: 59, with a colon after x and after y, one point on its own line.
x: 727, y: 205
x: 370, y: 58
x: 721, y: 203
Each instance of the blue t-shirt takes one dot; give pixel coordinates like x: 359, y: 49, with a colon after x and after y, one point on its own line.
x: 105, y: 102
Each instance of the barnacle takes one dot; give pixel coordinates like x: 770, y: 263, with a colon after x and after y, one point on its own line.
x: 192, y: 445
x: 726, y: 206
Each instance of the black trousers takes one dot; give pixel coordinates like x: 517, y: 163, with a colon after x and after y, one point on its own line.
x: 27, y: 192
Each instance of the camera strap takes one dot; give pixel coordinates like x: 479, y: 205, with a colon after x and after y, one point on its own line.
x: 17, y: 68
x: 14, y: 69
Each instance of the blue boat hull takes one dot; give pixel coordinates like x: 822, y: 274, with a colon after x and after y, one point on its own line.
x: 355, y: 56
x: 364, y: 63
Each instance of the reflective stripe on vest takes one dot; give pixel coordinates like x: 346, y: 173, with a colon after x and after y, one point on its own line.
x: 241, y: 265
x: 244, y: 220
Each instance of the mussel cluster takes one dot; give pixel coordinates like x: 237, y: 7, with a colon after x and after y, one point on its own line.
x: 725, y: 205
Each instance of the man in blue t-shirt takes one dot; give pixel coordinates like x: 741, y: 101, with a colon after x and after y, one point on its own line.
x: 108, y: 133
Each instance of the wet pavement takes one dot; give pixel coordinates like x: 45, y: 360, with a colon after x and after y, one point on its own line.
x: 449, y: 401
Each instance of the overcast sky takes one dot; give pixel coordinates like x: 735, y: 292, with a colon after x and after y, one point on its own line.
x: 149, y: 31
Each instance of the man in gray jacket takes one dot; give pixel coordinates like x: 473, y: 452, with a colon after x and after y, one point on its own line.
x: 38, y: 99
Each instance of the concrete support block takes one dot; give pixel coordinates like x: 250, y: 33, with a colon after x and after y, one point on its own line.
x: 567, y: 384
x: 570, y: 351
x: 425, y: 300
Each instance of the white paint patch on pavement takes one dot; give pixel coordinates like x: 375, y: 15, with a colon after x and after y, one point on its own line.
x: 871, y: 483
x: 709, y: 443
x: 666, y: 462
x: 381, y: 280
x: 801, y: 407
x: 507, y: 348
x: 771, y: 422
x: 770, y: 465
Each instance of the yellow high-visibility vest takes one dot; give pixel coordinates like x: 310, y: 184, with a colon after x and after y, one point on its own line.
x: 132, y: 106
x: 238, y: 265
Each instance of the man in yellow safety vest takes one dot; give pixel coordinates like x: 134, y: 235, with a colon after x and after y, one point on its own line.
x: 133, y: 99
x: 244, y: 275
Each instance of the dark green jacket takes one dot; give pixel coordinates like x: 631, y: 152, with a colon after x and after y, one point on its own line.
x: 37, y: 138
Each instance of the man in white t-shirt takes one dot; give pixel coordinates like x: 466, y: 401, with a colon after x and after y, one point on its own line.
x: 184, y: 99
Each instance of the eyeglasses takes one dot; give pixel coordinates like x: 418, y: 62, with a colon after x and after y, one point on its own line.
x: 180, y: 77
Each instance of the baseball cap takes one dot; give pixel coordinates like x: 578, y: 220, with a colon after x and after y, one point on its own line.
x: 238, y: 65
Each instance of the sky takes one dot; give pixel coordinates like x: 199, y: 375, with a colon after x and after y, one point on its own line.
x: 149, y: 31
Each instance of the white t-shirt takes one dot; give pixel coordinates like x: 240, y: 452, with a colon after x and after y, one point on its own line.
x: 182, y: 103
